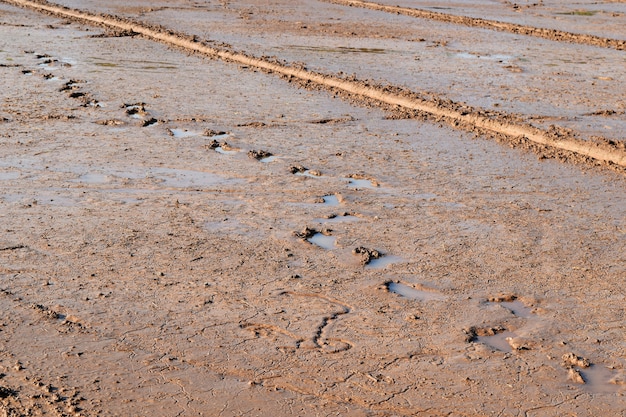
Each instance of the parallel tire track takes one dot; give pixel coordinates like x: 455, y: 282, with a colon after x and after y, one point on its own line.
x: 551, y: 34
x: 465, y: 118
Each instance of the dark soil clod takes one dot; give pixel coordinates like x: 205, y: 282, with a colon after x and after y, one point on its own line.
x: 367, y: 255
x: 260, y: 154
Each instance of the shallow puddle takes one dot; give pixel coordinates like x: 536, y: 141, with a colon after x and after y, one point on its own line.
x: 383, y: 262
x: 359, y: 183
x: 597, y: 379
x: 221, y: 150
x: 9, y: 176
x: 94, y: 178
x: 331, y: 200
x: 518, y: 308
x: 497, y: 341
x: 413, y: 293
x: 308, y: 173
x: 268, y: 159
x: 339, y: 219
x: 183, y: 133
x: 323, y: 241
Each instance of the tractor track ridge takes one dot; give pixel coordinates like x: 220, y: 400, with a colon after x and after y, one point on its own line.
x: 460, y: 116
x: 545, y: 33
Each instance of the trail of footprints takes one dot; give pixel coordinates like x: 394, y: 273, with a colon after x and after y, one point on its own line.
x: 498, y: 338
x: 314, y: 332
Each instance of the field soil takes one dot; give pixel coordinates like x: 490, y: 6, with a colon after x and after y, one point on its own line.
x: 186, y: 235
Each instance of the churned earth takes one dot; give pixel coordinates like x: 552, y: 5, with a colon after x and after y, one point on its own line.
x: 185, y: 235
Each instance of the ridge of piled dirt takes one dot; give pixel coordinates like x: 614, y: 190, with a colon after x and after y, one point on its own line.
x: 545, y: 33
x: 463, y: 117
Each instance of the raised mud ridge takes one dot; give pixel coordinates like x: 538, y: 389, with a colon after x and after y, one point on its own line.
x: 464, y: 117
x: 552, y: 34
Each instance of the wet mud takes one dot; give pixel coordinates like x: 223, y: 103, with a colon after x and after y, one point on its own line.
x: 149, y: 264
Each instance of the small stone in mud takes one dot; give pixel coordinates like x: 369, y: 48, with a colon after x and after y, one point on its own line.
x: 297, y: 169
x: 260, y: 154
x: 367, y: 255
x: 571, y: 359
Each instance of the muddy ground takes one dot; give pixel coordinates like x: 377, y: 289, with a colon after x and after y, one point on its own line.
x: 187, y: 236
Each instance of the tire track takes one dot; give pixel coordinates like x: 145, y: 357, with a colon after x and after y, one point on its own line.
x: 551, y: 34
x: 462, y: 117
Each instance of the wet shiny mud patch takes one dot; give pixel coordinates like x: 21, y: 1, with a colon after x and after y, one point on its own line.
x: 324, y: 241
x: 419, y: 293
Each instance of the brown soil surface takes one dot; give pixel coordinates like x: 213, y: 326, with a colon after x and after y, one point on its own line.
x: 416, y: 266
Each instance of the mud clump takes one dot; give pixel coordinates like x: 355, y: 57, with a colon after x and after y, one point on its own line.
x: 575, y: 376
x: 473, y: 333
x: 503, y: 298
x: 45, y: 312
x: 258, y: 155
x: 149, y: 122
x: 571, y: 359
x: 71, y: 85
x: 297, y: 169
x: 210, y: 133
x: 214, y: 145
x: 306, y: 233
x: 367, y: 255
x: 7, y: 392
x: 135, y: 109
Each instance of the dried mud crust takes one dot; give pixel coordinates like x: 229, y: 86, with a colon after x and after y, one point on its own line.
x: 505, y: 127
x: 551, y: 34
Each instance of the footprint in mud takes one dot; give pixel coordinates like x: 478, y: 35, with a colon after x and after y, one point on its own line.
x: 592, y: 377
x: 359, y: 181
x: 322, y: 238
x: 331, y: 199
x: 222, y: 147
x: 138, y: 111
x: 513, y: 304
x: 384, y: 261
x: 495, y: 337
x: 413, y: 292
x: 262, y: 156
x: 303, y: 321
x: 304, y: 172
x: 324, y: 241
x: 339, y: 218
x: 48, y: 62
x: 181, y: 133
x: 499, y: 337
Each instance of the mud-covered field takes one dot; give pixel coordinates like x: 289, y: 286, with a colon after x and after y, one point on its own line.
x: 312, y: 208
